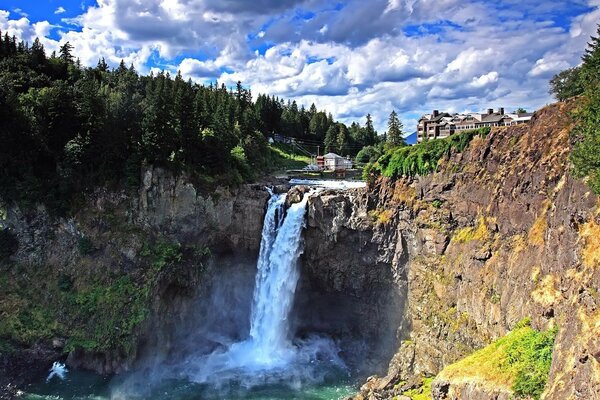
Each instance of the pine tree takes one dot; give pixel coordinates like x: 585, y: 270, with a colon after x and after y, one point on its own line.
x: 591, y: 62
x: 394, y: 132
x: 65, y: 53
x: 38, y: 55
x: 331, y: 139
x: 370, y: 133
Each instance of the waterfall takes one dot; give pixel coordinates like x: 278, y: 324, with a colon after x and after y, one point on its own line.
x: 276, y: 279
x: 269, y: 355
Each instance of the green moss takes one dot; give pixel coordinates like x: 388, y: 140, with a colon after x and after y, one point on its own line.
x: 112, y: 313
x: 468, y: 234
x: 519, y: 361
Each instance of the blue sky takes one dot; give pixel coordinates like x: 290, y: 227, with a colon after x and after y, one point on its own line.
x: 351, y: 57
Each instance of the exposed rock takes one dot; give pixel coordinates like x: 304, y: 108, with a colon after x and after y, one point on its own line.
x: 107, y: 237
x: 295, y: 195
x: 467, y: 390
x: 509, y: 237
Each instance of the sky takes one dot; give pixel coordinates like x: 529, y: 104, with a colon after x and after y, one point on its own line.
x: 349, y: 57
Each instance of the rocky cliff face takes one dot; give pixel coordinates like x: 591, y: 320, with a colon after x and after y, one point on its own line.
x: 502, y: 232
x: 111, y: 279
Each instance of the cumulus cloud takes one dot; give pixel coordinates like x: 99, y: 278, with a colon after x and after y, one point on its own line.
x: 60, y: 10
x: 353, y: 57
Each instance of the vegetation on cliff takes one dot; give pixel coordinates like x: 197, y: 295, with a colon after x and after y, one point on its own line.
x: 584, y: 80
x: 100, y: 312
x: 519, y: 361
x: 420, y: 159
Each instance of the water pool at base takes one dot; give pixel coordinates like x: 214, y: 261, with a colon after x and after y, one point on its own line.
x: 266, y: 365
x: 89, y: 386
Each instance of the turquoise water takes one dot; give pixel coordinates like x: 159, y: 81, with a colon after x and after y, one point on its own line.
x: 88, y: 386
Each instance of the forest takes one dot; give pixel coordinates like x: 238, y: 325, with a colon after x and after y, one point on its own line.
x: 68, y: 128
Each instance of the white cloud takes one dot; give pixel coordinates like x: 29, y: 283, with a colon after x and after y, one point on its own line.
x: 60, y: 10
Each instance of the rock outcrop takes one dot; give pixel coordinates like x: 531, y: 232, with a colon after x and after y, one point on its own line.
x: 502, y: 232
x: 143, y: 255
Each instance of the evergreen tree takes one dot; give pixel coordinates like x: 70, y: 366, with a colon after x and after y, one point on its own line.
x: 331, y: 139
x: 370, y: 133
x: 38, y: 55
x: 65, y: 53
x: 394, y: 132
x: 586, y: 154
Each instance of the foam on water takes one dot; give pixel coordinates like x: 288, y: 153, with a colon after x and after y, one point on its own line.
x: 58, y: 370
x: 267, y: 356
x: 329, y: 184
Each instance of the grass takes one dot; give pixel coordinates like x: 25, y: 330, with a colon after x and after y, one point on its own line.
x: 519, y: 361
x: 468, y: 234
x: 284, y: 157
x: 590, y: 232
x: 537, y: 233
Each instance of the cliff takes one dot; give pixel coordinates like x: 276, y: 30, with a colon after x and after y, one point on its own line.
x: 456, y: 259
x: 100, y: 286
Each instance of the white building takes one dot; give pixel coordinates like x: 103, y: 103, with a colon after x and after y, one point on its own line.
x: 334, y: 162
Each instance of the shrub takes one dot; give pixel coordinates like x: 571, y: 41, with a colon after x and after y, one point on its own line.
x: 163, y: 253
x: 368, y: 154
x: 531, y: 357
x: 520, y: 360
x: 423, y: 158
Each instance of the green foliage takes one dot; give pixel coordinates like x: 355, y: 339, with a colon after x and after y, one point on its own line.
x: 586, y: 153
x: 520, y: 360
x: 531, y: 358
x: 567, y: 84
x: 585, y: 80
x: 284, y: 157
x: 394, y: 132
x: 113, y: 312
x: 368, y: 154
x: 163, y: 253
x: 421, y: 159
x: 8, y: 243
x: 67, y: 129
x: 437, y: 203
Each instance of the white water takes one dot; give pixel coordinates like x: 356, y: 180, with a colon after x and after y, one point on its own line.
x: 59, y: 370
x: 329, y: 184
x: 268, y: 355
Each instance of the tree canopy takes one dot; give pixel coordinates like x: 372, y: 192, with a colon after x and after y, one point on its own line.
x: 65, y: 128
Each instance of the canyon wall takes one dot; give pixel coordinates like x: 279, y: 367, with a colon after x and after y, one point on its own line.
x: 501, y: 233
x: 117, y: 275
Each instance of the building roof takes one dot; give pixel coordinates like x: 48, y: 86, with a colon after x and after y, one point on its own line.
x: 495, y: 117
x: 332, y: 155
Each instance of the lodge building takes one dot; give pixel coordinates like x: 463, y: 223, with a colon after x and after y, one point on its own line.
x: 441, y: 124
